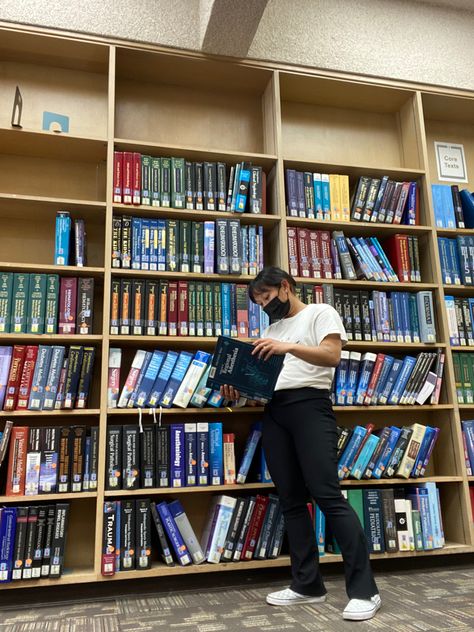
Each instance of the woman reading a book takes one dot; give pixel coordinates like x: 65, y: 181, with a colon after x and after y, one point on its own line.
x: 300, y: 442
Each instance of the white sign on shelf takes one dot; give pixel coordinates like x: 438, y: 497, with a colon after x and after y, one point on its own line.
x: 451, y: 162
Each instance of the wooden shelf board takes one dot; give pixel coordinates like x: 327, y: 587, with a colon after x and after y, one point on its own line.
x: 402, y: 481
x: 66, y: 203
x: 44, y: 144
x: 377, y: 344
x: 384, y: 409
x: 354, y: 170
x: 452, y: 232
x: 48, y: 497
x: 185, y: 276
x: 188, y: 411
x: 50, y: 413
x: 465, y: 406
x: 456, y: 349
x: 76, y: 576
x: 52, y: 269
x: 194, y: 152
x: 209, y: 489
x: 459, y: 290
x: 357, y: 228
x: 177, y: 341
x: 53, y: 338
x: 369, y: 285
x: 470, y: 479
x: 264, y: 219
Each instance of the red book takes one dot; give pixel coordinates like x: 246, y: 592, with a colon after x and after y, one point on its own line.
x: 402, y: 200
x: 173, y: 308
x: 118, y: 176
x: 127, y: 177
x: 137, y: 179
x: 229, y: 458
x: 396, y: 249
x: 293, y: 254
x: 304, y: 252
x: 17, y: 461
x: 27, y: 377
x: 14, y: 377
x: 183, y: 308
x: 67, y: 305
x: 325, y: 240
x: 374, y: 378
x: 255, y: 526
x: 315, y: 254
x: 318, y: 294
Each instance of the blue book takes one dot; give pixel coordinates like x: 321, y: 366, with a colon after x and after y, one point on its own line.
x: 174, y: 535
x: 244, y: 232
x: 410, y: 211
x: 402, y: 379
x: 405, y: 310
x: 373, y: 520
x: 448, y: 206
x: 249, y: 451
x: 162, y: 378
x: 352, y: 377
x: 209, y: 247
x: 216, y: 454
x: 467, y: 202
x: 177, y: 458
x: 438, y: 205
x: 392, y: 377
x: 136, y: 243
x: 215, y: 400
x: 397, y: 316
x: 177, y: 376
x: 363, y: 459
x: 145, y: 245
x: 350, y: 451
x: 371, y: 260
x: 391, y: 272
x: 464, y: 259
x: 263, y: 474
x: 420, y: 502
x: 226, y: 312
x: 454, y: 261
x: 253, y: 250
x: 202, y: 442
x: 62, y: 238
x: 384, y: 316
x: 320, y: 528
x: 244, y: 181
x: 383, y: 436
x: 434, y: 514
x: 427, y: 437
x: 342, y: 378
x: 326, y: 196
x: 154, y: 244
x: 202, y: 392
x: 318, y: 195
x: 366, y: 368
x: 161, y: 245
x: 87, y: 465
x: 149, y: 378
x: 187, y: 532
x: 386, y: 455
x: 414, y: 319
x: 468, y: 429
x: 7, y: 542
x: 254, y: 320
x: 443, y: 259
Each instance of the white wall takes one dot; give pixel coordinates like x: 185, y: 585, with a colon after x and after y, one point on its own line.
x: 417, y: 40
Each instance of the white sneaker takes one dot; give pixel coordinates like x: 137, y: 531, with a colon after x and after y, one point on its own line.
x: 362, y: 609
x: 288, y: 597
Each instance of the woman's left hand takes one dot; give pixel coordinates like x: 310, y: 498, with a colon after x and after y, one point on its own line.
x: 266, y: 347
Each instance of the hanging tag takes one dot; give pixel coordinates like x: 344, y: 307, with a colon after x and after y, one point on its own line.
x: 140, y: 419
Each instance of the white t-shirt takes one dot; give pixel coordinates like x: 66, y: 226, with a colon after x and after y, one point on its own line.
x: 308, y: 327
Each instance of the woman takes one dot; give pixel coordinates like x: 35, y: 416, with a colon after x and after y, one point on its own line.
x: 300, y: 442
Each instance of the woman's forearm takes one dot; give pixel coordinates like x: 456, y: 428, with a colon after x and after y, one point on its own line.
x: 319, y: 356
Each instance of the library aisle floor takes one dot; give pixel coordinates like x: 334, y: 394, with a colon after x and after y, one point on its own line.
x: 429, y: 600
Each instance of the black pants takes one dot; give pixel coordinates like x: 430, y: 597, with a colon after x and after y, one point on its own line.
x: 300, y: 443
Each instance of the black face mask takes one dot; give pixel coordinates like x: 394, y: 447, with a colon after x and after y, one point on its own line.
x: 277, y: 309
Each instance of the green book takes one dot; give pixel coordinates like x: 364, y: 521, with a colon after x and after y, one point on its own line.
x: 156, y: 181
x: 165, y: 182
x: 36, y: 304
x: 21, y: 284
x: 208, y: 309
x: 417, y: 532
x: 192, y: 317
x: 199, y: 309
x: 354, y: 497
x: 185, y: 243
x: 457, y: 379
x: 52, y: 304
x: 146, y: 181
x: 177, y: 183
x: 217, y: 309
x: 6, y: 297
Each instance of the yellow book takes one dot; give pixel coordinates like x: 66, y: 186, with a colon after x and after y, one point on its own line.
x: 344, y: 198
x: 334, y: 194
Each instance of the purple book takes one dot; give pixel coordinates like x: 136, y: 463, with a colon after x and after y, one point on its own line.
x: 5, y: 360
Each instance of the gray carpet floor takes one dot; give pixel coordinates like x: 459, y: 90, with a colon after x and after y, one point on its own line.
x: 413, y: 601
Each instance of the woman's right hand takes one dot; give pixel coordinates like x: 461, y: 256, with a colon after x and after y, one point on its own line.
x: 233, y: 395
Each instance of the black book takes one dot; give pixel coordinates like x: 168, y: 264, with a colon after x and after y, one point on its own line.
x: 130, y: 458
x: 276, y: 539
x: 239, y: 545
x: 30, y: 543
x: 235, y: 525
x: 189, y: 184
x: 113, y: 467
x: 66, y: 450
x: 39, y: 541
x: 147, y: 458
x: 162, y: 447
x: 20, y: 541
x: 164, y: 548
x: 233, y: 363
x: 127, y: 535
x: 48, y: 540
x: 365, y: 315
x: 389, y: 520
x: 262, y: 548
x: 143, y: 534
x: 59, y: 539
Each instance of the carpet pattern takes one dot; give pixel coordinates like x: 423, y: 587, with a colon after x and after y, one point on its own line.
x: 412, y: 601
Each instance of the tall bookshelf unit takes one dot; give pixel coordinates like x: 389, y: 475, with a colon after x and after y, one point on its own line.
x: 135, y: 97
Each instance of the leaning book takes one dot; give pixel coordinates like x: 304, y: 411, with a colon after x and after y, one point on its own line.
x: 234, y: 364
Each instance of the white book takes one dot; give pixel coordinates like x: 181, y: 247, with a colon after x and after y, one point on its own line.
x: 113, y: 385
x: 411, y: 452
x: 132, y: 378
x: 226, y: 506
x: 192, y: 378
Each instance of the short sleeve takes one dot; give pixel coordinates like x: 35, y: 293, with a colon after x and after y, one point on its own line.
x: 326, y: 322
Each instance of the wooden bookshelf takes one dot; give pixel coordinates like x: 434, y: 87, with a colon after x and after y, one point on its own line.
x: 137, y: 97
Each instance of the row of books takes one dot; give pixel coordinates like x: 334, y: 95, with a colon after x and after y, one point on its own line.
x: 179, y: 183
x: 50, y: 460
x: 457, y: 260
x: 371, y: 379
x: 33, y: 541
x: 222, y: 246
x: 382, y: 316
x: 396, y: 519
x: 162, y: 378
x: 179, y: 455
x: 324, y: 196
x: 45, y: 304
x: 452, y: 208
x: 181, y: 308
x: 236, y: 530
x: 468, y: 443
x: 318, y: 255
x: 386, y: 453
x: 70, y: 243
x: 45, y: 377
x: 460, y: 312
x: 463, y: 364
